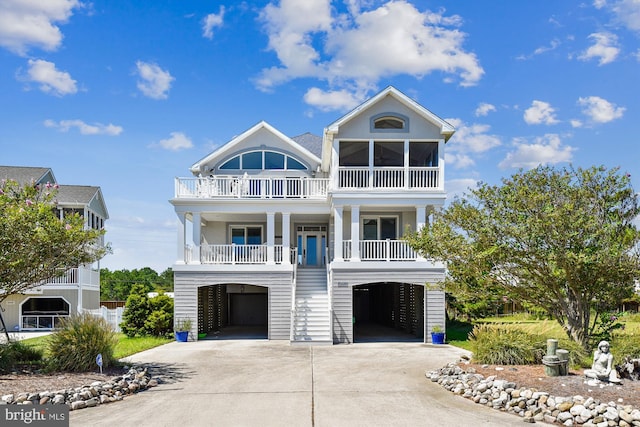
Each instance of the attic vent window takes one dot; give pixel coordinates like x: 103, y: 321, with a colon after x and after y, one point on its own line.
x: 388, y: 122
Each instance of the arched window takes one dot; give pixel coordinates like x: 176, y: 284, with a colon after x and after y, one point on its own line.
x: 389, y: 122
x: 262, y: 160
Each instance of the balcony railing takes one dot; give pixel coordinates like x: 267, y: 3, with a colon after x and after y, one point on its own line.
x: 246, y: 187
x: 389, y: 178
x: 238, y: 254
x: 381, y: 250
x: 74, y: 276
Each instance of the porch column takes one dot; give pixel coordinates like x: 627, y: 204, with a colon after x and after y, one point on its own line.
x: 355, y: 233
x: 337, y: 233
x: 407, y: 176
x: 371, y: 164
x: 196, y: 238
x: 181, y: 238
x: 421, y: 217
x: 335, y: 164
x: 271, y: 234
x: 286, y: 238
x: 421, y: 221
x: 441, y: 164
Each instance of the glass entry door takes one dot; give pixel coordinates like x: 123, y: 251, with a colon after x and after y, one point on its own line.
x: 312, y: 242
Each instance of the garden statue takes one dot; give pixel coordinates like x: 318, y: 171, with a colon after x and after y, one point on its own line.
x: 602, y: 368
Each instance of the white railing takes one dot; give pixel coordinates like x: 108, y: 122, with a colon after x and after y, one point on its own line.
x: 238, y: 254
x: 389, y: 177
x: 69, y: 277
x: 74, y: 276
x: 380, y: 250
x: 243, y: 187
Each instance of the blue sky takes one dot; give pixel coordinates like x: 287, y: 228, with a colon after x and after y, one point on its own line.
x: 128, y: 95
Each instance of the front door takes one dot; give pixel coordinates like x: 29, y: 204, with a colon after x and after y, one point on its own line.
x: 311, y: 247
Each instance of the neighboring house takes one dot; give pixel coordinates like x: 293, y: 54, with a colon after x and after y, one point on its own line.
x: 42, y: 307
x: 302, y: 236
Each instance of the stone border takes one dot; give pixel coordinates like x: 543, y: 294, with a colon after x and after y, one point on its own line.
x: 99, y: 392
x: 533, y: 405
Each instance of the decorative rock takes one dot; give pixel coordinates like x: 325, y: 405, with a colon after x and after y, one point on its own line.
x: 102, y: 392
x: 532, y: 405
x: 79, y: 404
x: 564, y: 406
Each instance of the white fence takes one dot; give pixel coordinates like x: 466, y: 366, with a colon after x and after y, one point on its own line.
x: 112, y: 316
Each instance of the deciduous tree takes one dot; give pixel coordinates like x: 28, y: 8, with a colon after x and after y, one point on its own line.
x: 35, y: 243
x: 563, y: 240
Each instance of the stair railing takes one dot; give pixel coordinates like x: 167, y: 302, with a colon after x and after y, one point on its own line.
x: 330, y: 298
x: 293, y: 300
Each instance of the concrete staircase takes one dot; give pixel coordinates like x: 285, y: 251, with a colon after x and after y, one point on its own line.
x: 312, y: 322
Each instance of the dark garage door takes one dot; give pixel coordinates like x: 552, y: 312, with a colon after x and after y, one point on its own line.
x: 248, y: 309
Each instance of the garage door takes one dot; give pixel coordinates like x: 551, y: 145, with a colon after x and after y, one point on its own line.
x: 248, y: 309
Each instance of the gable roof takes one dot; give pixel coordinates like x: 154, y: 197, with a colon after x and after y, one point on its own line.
x: 229, y: 146
x: 446, y: 129
x: 82, y: 195
x: 25, y: 174
x: 67, y: 195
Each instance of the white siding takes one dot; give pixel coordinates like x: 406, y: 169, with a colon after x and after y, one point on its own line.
x: 434, y: 302
x: 345, y: 279
x: 186, y: 286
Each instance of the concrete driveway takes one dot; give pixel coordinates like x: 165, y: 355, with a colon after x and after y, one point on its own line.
x: 271, y: 383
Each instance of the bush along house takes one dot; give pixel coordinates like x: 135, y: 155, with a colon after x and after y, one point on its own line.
x: 300, y: 238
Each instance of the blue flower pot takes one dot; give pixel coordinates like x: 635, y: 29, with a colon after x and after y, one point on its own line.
x: 437, y: 337
x: 182, y: 336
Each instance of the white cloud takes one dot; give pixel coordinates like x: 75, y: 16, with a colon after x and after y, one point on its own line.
x: 33, y: 23
x: 576, y: 123
x: 332, y: 100
x: 626, y: 12
x: 212, y: 21
x: 459, y: 187
x: 600, y: 110
x: 547, y: 149
x: 84, y: 128
x: 484, y: 109
x: 176, y: 142
x: 540, y: 112
x: 51, y: 80
x: 605, y: 48
x: 472, y: 139
x: 358, y: 48
x: 154, y: 81
x: 542, y: 49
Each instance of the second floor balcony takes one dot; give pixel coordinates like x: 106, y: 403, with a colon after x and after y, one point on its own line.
x: 252, y: 187
x: 278, y: 187
x: 389, y: 178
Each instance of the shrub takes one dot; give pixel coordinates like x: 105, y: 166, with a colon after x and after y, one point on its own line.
x: 15, y: 353
x: 80, y: 339
x: 627, y: 345
x: 147, y: 316
x: 502, y: 346
x: 136, y: 312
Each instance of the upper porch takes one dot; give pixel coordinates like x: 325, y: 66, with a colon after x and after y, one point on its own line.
x: 375, y: 179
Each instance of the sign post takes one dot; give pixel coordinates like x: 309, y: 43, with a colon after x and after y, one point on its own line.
x: 99, y: 361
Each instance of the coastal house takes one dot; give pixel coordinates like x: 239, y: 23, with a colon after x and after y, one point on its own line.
x: 78, y: 289
x: 301, y: 238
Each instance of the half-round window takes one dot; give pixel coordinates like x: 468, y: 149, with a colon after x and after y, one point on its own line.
x: 388, y: 122
x: 262, y: 160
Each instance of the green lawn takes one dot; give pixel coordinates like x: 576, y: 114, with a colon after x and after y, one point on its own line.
x: 125, y: 347
x: 457, y: 332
